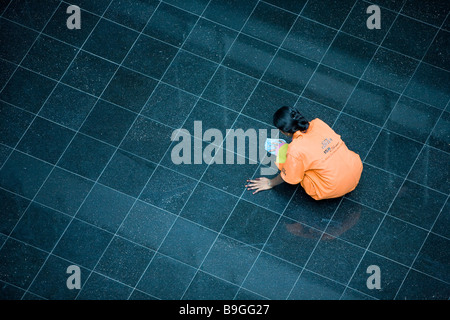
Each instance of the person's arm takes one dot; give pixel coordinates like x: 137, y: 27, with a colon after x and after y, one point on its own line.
x: 263, y: 183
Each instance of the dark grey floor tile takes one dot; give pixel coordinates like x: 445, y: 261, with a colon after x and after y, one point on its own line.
x: 97, y: 7
x: 442, y: 222
x: 108, y: 122
x: 36, y: 219
x: 89, y: 73
x: 274, y: 285
x: 407, y: 112
x: 229, y: 88
x: 377, y: 195
x: 168, y: 190
x: 330, y: 87
x: 67, y: 106
x: 371, y: 103
x: 82, y: 243
x: 133, y: 14
x: 50, y: 283
x: 433, y: 12
x: 354, y: 223
x: 129, y: 89
x: 190, y: 73
x: 352, y: 294
x: 309, y: 39
x: 45, y: 140
x: 249, y: 56
x: 311, y: 286
x: 150, y: 56
x: 139, y: 295
x: 30, y: 13
x: 434, y: 258
x: 57, y: 26
x: 289, y: 71
x: 210, y: 40
x: 244, y: 294
x: 417, y: 204
x: 398, y: 240
x: 27, y: 90
x: 290, y: 241
x: 267, y: 99
x: 5, y: 151
x: 357, y: 135
x: 394, y: 5
x: 429, y: 85
x: 86, y: 156
x: 170, y: 24
x: 166, y: 278
x: 419, y: 286
x: 169, y: 105
x: 49, y: 57
x: 13, y: 124
x: 194, y: 6
x: 19, y: 263
x: 9, y: 33
x: 147, y: 225
x: 390, y: 70
x: 441, y: 133
x: 306, y: 210
x: 105, y: 208
x: 349, y: 54
x: 250, y: 224
x: 124, y: 261
x: 23, y: 174
x: 431, y: 169
x: 98, y: 287
x: 207, y: 287
x: 231, y: 13
x: 127, y: 173
x: 207, y: 115
x: 330, y: 12
x: 229, y: 177
x: 209, y: 207
x: 345, y: 257
x: 391, y: 276
x: 64, y: 191
x: 269, y: 23
x: 438, y: 54
x: 356, y: 23
x: 147, y: 139
x: 110, y: 40
x: 295, y: 6
x: 7, y: 71
x: 409, y: 37
x: 230, y: 260
x: 393, y: 153
x: 312, y: 110
x: 13, y: 207
x: 188, y: 242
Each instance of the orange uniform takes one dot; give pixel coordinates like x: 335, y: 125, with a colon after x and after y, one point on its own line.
x: 321, y: 162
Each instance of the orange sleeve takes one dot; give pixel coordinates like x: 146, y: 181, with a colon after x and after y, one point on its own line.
x: 293, y: 170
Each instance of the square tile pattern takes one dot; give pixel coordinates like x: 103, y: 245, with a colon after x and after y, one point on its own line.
x: 88, y: 123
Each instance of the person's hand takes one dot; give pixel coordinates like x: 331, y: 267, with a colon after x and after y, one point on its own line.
x: 258, y: 184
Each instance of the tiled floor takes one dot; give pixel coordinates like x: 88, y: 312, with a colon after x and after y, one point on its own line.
x: 87, y: 178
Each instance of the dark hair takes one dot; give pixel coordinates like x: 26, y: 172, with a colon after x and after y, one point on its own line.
x: 290, y: 120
